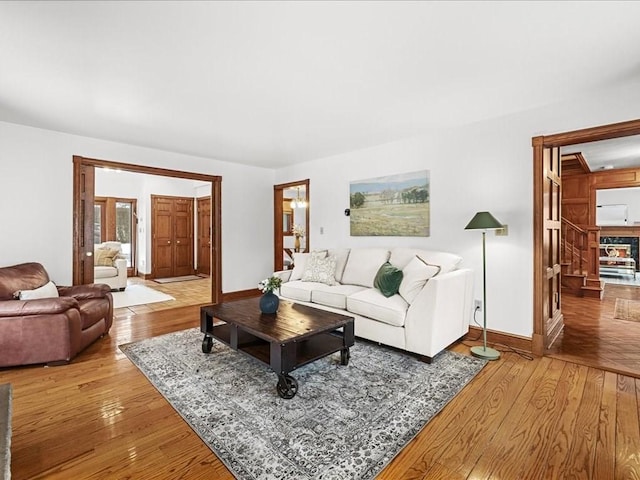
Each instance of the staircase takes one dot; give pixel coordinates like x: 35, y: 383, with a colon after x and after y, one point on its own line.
x: 580, y: 260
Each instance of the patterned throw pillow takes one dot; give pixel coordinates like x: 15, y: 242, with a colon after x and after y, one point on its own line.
x: 300, y: 262
x: 321, y: 270
x: 105, y: 257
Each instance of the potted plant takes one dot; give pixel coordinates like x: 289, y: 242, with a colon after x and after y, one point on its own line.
x: 269, y: 301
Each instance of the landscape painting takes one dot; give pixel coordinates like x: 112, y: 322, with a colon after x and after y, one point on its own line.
x: 392, y: 206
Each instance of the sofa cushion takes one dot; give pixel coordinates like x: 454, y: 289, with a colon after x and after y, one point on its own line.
x: 48, y: 290
x: 335, y: 296
x: 105, y: 257
x: 104, y: 272
x: 300, y: 263
x: 341, y: 255
x: 363, y: 265
x: 401, y: 256
x: 112, y: 245
x: 298, y: 290
x: 371, y: 303
x: 415, y: 276
x: 320, y: 270
x: 388, y: 279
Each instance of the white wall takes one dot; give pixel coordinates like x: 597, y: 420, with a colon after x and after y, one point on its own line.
x: 485, y: 166
x: 621, y: 196
x: 36, y: 189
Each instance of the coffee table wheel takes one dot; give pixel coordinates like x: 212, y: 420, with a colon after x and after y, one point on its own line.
x: 287, y: 386
x: 345, y: 355
x: 207, y: 343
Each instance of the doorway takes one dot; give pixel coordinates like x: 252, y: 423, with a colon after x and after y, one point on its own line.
x: 115, y: 220
x: 546, y: 297
x: 83, y: 215
x: 291, y: 207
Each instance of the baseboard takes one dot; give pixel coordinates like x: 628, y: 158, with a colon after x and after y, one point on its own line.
x: 523, y: 344
x: 146, y: 276
x: 240, y: 294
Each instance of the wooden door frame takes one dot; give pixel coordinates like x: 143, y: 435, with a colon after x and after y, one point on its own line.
x: 197, y: 242
x: 278, y: 241
x: 216, y: 211
x: 604, y: 132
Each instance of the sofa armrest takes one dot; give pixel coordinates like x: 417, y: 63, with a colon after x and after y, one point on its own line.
x: 40, y: 306
x: 83, y: 292
x: 440, y: 313
x: 284, y: 275
x: 121, y: 265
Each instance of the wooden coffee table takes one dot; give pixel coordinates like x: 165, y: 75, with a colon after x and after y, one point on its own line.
x: 292, y: 337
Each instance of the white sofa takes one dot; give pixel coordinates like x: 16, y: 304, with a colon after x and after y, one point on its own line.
x: 108, y: 265
x: 431, y: 310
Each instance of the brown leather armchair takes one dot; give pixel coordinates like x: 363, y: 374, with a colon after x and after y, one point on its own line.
x: 49, y: 330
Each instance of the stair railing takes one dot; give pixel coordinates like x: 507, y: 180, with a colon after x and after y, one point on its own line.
x: 580, y: 249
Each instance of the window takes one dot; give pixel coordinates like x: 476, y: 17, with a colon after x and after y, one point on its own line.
x: 115, y: 220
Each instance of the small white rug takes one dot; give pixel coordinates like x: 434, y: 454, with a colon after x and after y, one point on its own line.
x: 184, y: 278
x: 138, y: 295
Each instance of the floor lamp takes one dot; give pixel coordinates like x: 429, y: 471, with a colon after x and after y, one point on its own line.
x: 484, y: 221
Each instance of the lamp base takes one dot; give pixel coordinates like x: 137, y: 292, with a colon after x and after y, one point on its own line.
x: 485, y: 352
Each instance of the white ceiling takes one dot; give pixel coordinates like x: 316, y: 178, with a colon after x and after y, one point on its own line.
x: 616, y: 153
x: 275, y: 83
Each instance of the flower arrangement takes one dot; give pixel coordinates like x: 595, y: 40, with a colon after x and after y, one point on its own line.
x: 298, y: 230
x: 268, y: 285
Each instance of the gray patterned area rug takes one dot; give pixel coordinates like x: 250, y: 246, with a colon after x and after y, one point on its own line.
x: 346, y: 422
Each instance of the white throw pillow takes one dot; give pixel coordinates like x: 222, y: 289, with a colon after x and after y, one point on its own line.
x: 321, y: 270
x: 414, y: 277
x: 48, y: 290
x: 448, y: 262
x: 300, y: 263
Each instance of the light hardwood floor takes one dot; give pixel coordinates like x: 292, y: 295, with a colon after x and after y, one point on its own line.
x: 99, y: 418
x: 192, y: 292
x: 593, y: 337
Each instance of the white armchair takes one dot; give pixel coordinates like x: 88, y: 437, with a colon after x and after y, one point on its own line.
x: 109, y: 266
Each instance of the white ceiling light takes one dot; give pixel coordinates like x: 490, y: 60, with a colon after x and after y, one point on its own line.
x: 298, y: 202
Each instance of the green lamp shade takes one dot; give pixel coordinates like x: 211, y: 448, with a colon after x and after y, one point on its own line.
x: 483, y: 221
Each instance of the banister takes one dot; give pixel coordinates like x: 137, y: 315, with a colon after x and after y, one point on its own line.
x: 580, y: 249
x: 573, y: 225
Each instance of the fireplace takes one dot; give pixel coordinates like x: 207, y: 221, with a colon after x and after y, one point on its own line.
x: 633, y: 241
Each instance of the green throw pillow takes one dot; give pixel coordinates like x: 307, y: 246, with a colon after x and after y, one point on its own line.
x: 388, y: 279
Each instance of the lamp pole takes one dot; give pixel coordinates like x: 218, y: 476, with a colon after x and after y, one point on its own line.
x: 484, y: 221
x: 484, y: 351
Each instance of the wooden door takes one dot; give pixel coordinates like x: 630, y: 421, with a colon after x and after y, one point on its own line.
x: 552, y: 200
x: 171, y: 236
x: 83, y: 217
x: 204, y: 235
x: 183, y: 237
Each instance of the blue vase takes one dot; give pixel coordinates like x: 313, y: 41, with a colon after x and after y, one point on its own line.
x: 269, y: 303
